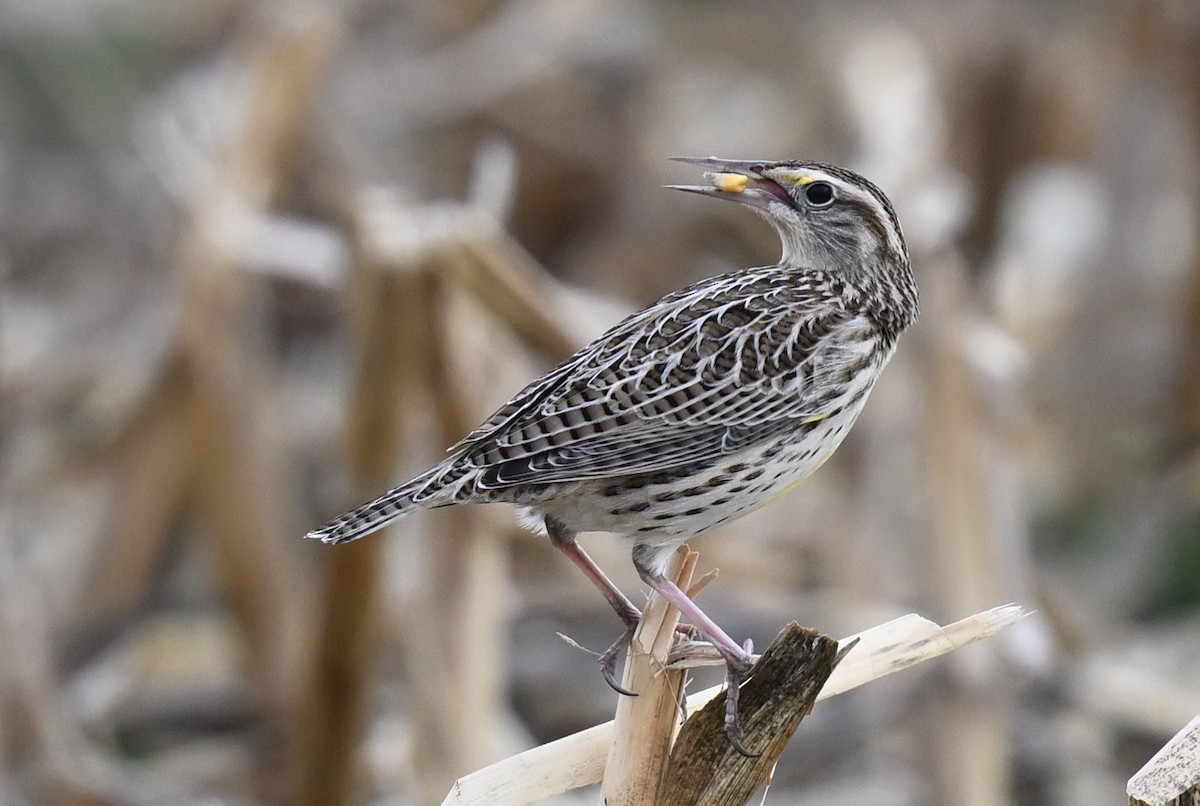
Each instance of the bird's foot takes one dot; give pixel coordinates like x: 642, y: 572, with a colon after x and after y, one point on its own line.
x: 608, y: 660
x: 736, y: 669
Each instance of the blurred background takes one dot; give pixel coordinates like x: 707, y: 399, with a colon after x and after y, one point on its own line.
x: 261, y: 260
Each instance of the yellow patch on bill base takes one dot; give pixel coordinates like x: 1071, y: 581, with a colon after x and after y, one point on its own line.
x: 728, y: 182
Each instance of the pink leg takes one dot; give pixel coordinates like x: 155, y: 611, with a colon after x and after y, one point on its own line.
x: 738, y: 659
x: 564, y: 540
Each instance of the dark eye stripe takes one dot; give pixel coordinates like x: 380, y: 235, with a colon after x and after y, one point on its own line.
x: 886, y: 205
x: 854, y: 180
x: 867, y: 214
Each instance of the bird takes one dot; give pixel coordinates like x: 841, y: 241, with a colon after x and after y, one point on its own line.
x: 700, y: 407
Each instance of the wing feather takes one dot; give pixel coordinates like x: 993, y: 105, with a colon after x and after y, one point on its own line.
x: 700, y: 374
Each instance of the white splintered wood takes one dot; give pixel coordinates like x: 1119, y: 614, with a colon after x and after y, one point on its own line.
x: 578, y: 760
x: 1172, y: 773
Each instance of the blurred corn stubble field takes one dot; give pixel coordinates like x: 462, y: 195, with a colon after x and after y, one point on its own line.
x: 261, y: 260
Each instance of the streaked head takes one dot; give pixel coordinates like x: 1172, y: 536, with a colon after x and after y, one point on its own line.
x: 828, y: 217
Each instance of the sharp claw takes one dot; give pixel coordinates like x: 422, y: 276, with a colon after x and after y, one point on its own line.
x: 735, y: 739
x: 610, y: 677
x: 608, y: 661
x: 735, y: 670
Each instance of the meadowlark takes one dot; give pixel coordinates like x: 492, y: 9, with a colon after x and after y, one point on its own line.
x: 700, y: 407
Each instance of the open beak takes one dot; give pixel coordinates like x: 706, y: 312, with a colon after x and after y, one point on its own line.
x: 737, y: 180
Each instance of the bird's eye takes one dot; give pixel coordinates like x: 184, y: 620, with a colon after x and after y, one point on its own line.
x: 819, y: 194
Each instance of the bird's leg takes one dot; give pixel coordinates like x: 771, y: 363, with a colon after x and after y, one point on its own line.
x: 738, y: 659
x: 563, y: 539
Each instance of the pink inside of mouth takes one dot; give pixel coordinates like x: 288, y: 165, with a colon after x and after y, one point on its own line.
x: 759, y: 182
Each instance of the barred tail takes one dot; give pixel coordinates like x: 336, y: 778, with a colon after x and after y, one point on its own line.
x: 369, y: 517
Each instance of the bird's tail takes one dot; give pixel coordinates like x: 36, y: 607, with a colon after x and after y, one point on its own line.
x: 373, y: 515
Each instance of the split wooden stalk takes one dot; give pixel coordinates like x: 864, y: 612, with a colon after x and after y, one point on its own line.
x: 647, y: 765
x: 705, y: 770
x: 579, y: 760
x: 645, y: 725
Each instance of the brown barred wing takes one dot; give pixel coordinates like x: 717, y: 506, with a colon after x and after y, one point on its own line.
x: 705, y: 374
